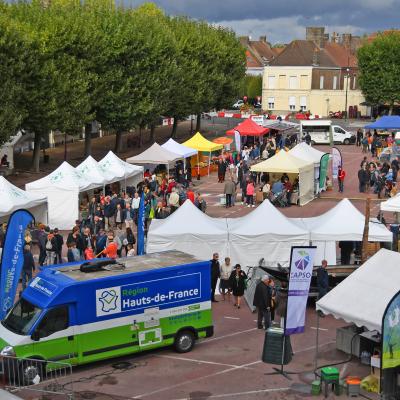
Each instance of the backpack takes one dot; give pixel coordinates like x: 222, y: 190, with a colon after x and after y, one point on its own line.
x: 49, y: 246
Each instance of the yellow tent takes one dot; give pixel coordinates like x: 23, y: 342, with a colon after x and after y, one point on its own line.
x: 200, y: 143
x: 284, y: 162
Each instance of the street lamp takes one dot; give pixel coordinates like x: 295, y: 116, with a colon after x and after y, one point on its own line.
x: 347, y: 76
x: 327, y: 107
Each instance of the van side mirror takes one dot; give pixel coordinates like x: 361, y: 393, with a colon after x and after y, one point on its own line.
x: 36, y: 336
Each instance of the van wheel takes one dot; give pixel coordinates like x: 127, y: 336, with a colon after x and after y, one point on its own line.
x: 346, y: 141
x: 184, y: 341
x: 31, y: 372
x: 313, y: 142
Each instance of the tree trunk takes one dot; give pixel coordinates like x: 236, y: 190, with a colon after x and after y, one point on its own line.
x: 174, y: 128
x: 391, y: 109
x: 198, y: 123
x: 118, y: 141
x: 36, y: 153
x: 140, y: 136
x: 88, y: 140
x: 152, y: 133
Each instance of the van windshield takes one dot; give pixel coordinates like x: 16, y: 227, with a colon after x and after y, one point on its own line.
x: 21, y: 317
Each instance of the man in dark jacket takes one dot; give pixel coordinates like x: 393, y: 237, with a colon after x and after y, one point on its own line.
x: 222, y: 165
x: 215, y: 272
x: 28, y: 266
x: 322, y: 279
x: 42, y: 239
x: 59, y: 243
x: 262, y: 301
x: 363, y: 179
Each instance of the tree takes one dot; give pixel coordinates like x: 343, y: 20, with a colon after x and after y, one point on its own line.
x: 380, y: 69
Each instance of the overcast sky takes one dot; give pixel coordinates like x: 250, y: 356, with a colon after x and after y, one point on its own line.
x: 284, y: 20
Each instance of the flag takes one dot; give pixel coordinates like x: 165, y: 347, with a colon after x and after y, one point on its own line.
x: 336, y: 161
x: 140, y: 227
x: 12, y: 258
x: 323, y: 170
x: 391, y: 334
x: 301, y: 270
x: 237, y: 141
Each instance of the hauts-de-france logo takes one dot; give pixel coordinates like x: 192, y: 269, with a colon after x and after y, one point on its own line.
x: 303, y: 261
x: 108, y: 301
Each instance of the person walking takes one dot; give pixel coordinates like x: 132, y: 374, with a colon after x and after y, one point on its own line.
x: 28, y: 266
x: 250, y: 194
x: 237, y: 282
x: 322, y: 282
x: 341, y: 176
x: 229, y: 190
x: 262, y: 301
x: 215, y: 274
x: 359, y: 137
x: 59, y: 243
x: 363, y: 178
x: 222, y: 165
x: 51, y: 248
x: 224, y: 284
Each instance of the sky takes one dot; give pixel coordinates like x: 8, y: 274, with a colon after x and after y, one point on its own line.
x: 285, y: 20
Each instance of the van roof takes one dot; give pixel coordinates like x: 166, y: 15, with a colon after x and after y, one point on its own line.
x: 130, y: 265
x: 316, y: 122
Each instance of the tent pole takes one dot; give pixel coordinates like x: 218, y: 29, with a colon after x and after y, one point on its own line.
x: 198, y: 167
x: 209, y: 161
x: 316, y: 347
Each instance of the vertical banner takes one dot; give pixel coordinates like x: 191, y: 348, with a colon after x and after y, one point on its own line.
x: 301, y: 270
x: 391, y: 334
x: 336, y: 162
x: 140, y: 227
x: 323, y: 170
x: 237, y: 141
x: 12, y: 258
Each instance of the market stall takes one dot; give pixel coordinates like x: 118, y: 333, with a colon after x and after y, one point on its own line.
x: 248, y: 128
x: 62, y: 188
x: 155, y: 155
x: 201, y: 144
x: 264, y: 233
x: 189, y: 230
x: 116, y: 170
x: 284, y: 162
x: 341, y: 223
x: 177, y: 148
x: 91, y: 172
x: 14, y: 198
x: 392, y: 204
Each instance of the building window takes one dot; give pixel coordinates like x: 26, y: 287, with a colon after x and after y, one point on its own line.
x: 354, y: 82
x: 334, y: 83
x: 292, y: 103
x: 271, y: 103
x: 282, y: 81
x: 303, y: 81
x: 303, y: 103
x: 321, y: 82
x: 271, y: 82
x: 292, y: 82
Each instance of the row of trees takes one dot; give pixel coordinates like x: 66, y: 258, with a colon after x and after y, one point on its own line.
x: 65, y: 63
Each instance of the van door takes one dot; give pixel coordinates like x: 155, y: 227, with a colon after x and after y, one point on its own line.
x: 54, y: 338
x: 338, y: 134
x: 151, y: 333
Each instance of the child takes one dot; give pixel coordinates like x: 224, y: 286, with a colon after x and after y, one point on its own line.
x: 131, y: 251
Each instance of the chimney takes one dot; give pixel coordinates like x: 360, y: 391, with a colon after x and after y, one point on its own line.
x: 346, y: 40
x: 315, y: 60
x: 263, y: 39
x: 316, y: 34
x: 244, y: 40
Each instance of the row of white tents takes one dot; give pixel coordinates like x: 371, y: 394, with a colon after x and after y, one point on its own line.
x: 263, y: 233
x: 62, y: 187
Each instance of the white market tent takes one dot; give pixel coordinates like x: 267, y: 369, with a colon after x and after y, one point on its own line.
x: 264, y: 233
x: 177, y: 148
x: 284, y: 162
x: 116, y: 170
x: 189, y: 230
x: 90, y: 171
x: 14, y: 198
x: 342, y: 222
x: 62, y: 188
x: 364, y: 295
x: 308, y: 153
x: 392, y: 204
x: 155, y: 155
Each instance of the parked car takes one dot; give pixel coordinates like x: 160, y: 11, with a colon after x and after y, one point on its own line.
x: 238, y: 104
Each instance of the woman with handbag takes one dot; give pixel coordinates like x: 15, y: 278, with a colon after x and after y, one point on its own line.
x: 237, y: 282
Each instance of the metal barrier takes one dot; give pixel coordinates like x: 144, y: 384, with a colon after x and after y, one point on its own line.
x: 37, y: 375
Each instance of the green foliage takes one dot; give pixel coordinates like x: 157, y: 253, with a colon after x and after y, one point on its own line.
x: 380, y: 69
x: 251, y: 87
x: 66, y: 62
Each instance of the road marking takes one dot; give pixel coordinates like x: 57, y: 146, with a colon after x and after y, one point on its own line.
x: 232, y: 317
x: 321, y: 329
x: 225, y: 336
x: 219, y: 396
x: 198, y: 361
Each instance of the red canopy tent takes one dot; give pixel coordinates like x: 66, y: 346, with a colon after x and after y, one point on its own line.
x: 248, y: 128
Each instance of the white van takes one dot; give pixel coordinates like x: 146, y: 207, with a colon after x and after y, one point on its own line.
x: 320, y: 131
